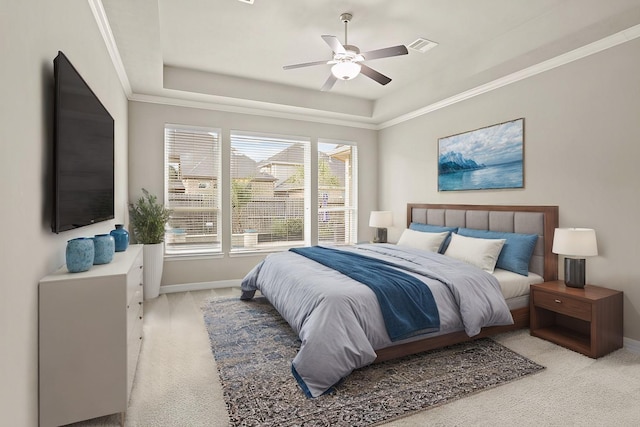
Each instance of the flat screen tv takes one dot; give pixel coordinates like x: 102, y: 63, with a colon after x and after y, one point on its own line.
x: 83, y: 177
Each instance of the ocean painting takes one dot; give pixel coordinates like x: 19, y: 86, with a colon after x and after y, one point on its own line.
x: 487, y: 158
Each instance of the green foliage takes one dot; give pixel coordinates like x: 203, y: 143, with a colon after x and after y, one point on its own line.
x: 326, y: 177
x: 241, y: 195
x: 148, y: 219
x: 284, y: 228
x: 297, y: 177
x: 325, y: 231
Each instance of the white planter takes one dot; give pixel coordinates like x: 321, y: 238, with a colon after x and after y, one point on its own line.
x: 153, y: 256
x: 250, y: 239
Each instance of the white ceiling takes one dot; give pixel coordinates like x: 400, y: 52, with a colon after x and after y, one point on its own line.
x: 228, y: 52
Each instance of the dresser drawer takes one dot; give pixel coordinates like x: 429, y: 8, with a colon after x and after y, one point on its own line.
x: 134, y: 341
x: 563, y: 304
x: 134, y: 309
x: 134, y: 277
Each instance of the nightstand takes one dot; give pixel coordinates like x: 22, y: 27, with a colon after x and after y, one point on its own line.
x: 587, y: 320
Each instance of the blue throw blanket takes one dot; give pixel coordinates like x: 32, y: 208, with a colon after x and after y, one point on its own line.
x: 407, y: 304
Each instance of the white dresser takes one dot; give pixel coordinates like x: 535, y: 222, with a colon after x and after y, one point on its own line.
x: 90, y: 335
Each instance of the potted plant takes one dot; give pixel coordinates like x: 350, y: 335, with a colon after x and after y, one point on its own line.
x: 148, y: 219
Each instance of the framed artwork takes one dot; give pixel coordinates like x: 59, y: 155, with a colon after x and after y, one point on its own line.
x: 487, y: 158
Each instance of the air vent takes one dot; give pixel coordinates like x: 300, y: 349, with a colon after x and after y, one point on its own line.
x: 422, y: 45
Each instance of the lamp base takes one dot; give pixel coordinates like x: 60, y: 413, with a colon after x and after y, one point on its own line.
x: 381, y: 235
x: 574, y: 272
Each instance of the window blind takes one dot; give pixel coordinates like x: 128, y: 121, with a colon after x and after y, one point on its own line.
x: 337, y: 200
x: 192, y: 190
x: 269, y: 189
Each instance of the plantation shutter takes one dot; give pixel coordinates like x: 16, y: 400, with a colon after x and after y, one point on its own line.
x: 192, y: 190
x: 337, y: 200
x: 269, y: 189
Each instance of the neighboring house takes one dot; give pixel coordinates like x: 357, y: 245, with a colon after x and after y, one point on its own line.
x: 287, y: 167
x: 193, y: 194
x: 269, y: 195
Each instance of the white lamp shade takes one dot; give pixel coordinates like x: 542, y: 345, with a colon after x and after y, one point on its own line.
x: 381, y: 219
x: 575, y: 242
x: 346, y: 70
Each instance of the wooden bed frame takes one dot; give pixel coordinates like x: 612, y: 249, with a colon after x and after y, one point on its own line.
x: 520, y: 315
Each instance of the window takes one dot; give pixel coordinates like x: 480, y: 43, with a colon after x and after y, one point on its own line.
x: 269, y: 191
x: 337, y: 213
x: 270, y: 198
x: 192, y: 190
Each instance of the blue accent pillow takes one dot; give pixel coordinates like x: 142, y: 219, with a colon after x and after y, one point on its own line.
x: 516, y: 252
x: 435, y: 229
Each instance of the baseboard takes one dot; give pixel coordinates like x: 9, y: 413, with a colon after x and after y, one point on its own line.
x: 201, y: 286
x: 631, y: 345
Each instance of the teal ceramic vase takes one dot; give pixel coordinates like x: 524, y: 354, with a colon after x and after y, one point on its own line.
x: 104, y: 247
x: 79, y: 254
x: 121, y: 237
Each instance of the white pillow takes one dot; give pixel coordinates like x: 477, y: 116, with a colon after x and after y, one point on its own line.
x: 483, y: 253
x: 422, y: 240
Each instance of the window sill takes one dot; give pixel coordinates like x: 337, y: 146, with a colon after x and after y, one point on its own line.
x: 257, y: 252
x: 192, y: 256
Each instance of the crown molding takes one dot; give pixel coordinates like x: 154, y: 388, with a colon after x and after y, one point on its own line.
x: 296, y: 113
x: 566, y: 58
x: 107, y: 35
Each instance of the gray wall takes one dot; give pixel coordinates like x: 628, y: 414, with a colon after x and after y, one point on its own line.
x: 582, y: 148
x: 31, y: 33
x: 146, y: 133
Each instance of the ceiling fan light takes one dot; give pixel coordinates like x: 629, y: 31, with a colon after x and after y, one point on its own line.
x: 346, y: 70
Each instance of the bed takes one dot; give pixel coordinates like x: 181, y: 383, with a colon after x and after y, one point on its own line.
x: 344, y: 325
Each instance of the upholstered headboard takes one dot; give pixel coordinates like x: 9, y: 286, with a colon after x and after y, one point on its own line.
x: 540, y: 220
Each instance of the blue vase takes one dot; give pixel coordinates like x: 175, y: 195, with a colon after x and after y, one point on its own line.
x: 79, y: 255
x: 121, y: 236
x: 104, y: 246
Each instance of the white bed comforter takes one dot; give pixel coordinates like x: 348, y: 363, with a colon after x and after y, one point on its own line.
x: 339, y: 320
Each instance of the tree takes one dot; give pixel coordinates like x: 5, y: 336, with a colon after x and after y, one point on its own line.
x: 241, y: 195
x: 326, y: 178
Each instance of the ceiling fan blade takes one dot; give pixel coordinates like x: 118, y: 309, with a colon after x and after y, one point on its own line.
x: 386, y: 52
x: 329, y: 83
x: 334, y: 44
x: 374, y: 75
x: 306, y: 64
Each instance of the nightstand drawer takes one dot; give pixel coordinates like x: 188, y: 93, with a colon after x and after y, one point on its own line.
x: 563, y: 304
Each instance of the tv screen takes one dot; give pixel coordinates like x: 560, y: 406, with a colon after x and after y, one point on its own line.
x: 83, y: 152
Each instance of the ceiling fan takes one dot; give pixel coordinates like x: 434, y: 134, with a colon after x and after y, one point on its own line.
x: 347, y: 59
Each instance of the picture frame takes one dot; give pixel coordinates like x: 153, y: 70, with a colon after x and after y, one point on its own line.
x: 488, y: 158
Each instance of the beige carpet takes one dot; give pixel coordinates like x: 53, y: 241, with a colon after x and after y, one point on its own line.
x: 177, y: 383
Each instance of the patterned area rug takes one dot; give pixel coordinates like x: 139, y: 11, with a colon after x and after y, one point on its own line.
x: 253, y: 347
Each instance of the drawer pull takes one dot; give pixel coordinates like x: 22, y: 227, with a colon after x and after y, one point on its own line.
x: 558, y: 301
x: 140, y: 302
x: 140, y: 317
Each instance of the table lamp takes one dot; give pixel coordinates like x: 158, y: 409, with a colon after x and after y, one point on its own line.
x: 575, y: 244
x: 380, y: 220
